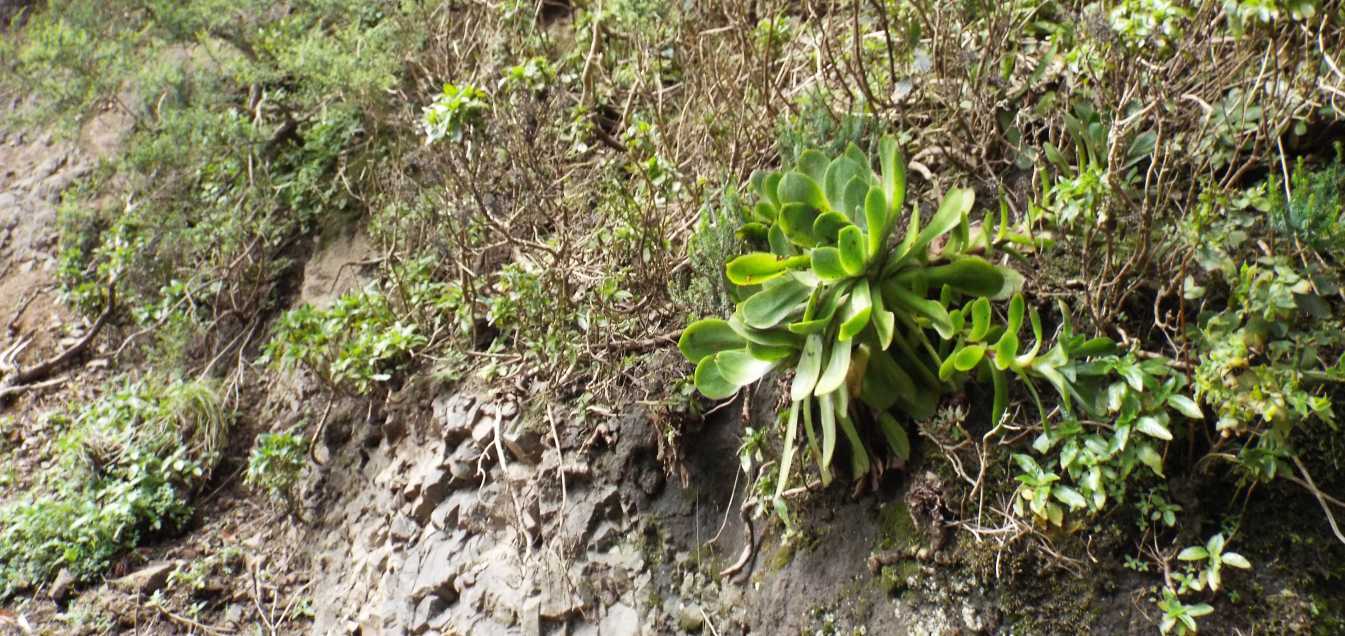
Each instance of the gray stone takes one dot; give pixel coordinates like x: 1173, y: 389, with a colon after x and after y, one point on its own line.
x: 403, y: 528
x: 146, y: 580
x: 61, y: 587
x: 523, y: 442
x: 530, y: 617
x: 621, y: 620
x: 435, y: 486
x: 690, y: 618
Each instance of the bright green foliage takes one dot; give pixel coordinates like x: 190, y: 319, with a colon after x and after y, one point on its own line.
x: 1315, y: 215
x: 367, y: 336
x: 127, y: 470
x: 453, y: 111
x: 1245, y: 14
x: 276, y: 464
x: 847, y: 309
x: 1266, y: 375
x: 1147, y: 25
x: 1178, y: 616
x: 1211, y: 557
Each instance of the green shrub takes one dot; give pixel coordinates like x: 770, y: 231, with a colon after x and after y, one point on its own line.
x: 276, y: 465
x: 127, y: 470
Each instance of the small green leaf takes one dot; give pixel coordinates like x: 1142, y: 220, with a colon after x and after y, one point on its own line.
x: 1001, y: 399
x: 857, y: 312
x: 1236, y: 560
x: 1150, y: 426
x: 777, y: 300
x: 740, y: 367
x: 854, y: 258
x: 1186, y: 406
x: 752, y: 232
x: 1069, y: 496
x: 810, y: 367
x: 838, y: 365
x: 966, y: 358
x: 710, y: 383
x: 1150, y: 457
x: 707, y: 337
x: 1193, y: 553
x: 754, y: 268
x: 1005, y: 350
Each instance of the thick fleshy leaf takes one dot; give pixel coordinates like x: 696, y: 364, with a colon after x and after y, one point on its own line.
x: 876, y: 220
x: 814, y: 164
x: 801, y: 189
x: 826, y: 407
x: 780, y: 244
x: 710, y: 383
x: 1150, y: 457
x: 857, y: 312
x: 966, y: 358
x: 954, y: 207
x: 772, y: 188
x: 898, y: 297
x: 1006, y: 349
x: 796, y: 220
x: 765, y: 211
x: 775, y: 337
x: 827, y: 264
x: 810, y: 367
x: 707, y: 337
x: 897, y: 439
x: 838, y: 366
x: 894, y: 174
x: 980, y: 319
x: 855, y: 194
x: 771, y: 353
x: 787, y: 454
x: 754, y: 268
x: 854, y: 254
x: 740, y: 367
x: 775, y: 302
x: 859, y: 456
x: 1001, y: 401
x: 828, y: 225
x: 884, y: 321
x: 839, y: 173
x: 752, y: 232
x: 970, y: 275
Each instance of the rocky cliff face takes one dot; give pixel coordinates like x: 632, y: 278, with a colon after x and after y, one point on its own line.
x: 421, y: 529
